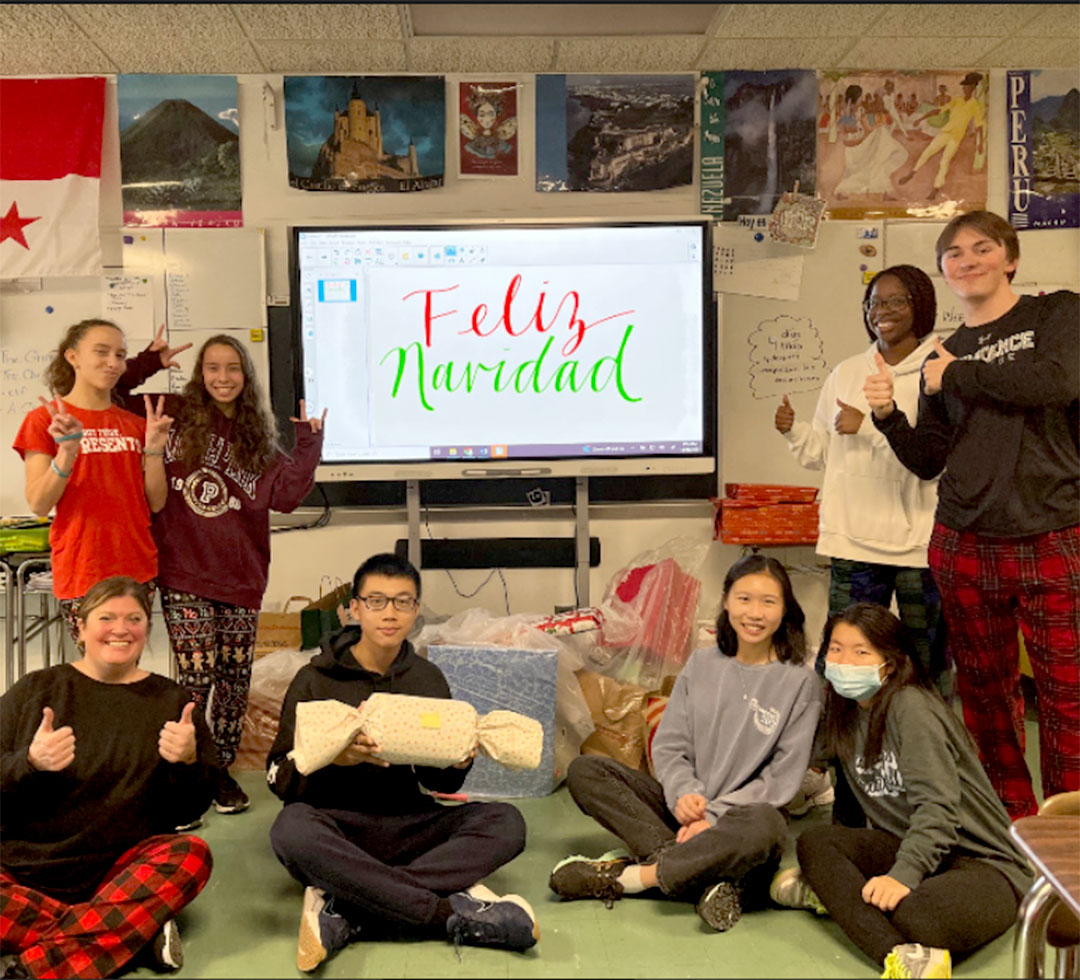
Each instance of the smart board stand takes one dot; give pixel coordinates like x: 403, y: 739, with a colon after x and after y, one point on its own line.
x: 581, y: 552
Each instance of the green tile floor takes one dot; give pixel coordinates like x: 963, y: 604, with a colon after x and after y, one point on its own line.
x: 244, y: 924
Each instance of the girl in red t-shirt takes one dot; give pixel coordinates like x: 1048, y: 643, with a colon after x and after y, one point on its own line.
x: 100, y: 466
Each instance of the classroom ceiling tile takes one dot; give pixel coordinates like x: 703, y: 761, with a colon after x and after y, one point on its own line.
x: 338, y: 56
x: 559, y: 19
x: 229, y: 55
x: 750, y: 54
x: 1050, y: 20
x: 472, y: 55
x: 37, y: 22
x: 797, y: 20
x: 917, y: 52
x: 951, y: 20
x: 147, y: 23
x: 1033, y: 52
x: 304, y: 21
x: 628, y: 54
x: 53, y: 57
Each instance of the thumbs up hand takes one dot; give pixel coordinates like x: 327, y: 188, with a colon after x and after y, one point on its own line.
x: 785, y: 416
x: 878, y: 389
x: 933, y: 368
x: 848, y: 419
x: 52, y: 749
x: 176, y: 743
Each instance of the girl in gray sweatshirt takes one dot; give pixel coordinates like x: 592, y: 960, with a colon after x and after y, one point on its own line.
x: 901, y: 888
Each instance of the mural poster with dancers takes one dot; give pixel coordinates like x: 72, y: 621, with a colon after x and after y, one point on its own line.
x: 902, y: 143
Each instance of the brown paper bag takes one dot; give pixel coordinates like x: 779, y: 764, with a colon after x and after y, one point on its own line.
x: 279, y: 630
x: 617, y: 713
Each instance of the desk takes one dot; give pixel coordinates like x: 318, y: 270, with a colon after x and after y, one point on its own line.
x: 1052, y: 844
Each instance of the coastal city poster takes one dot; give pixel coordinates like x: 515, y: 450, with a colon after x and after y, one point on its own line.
x: 365, y: 133
x: 614, y: 132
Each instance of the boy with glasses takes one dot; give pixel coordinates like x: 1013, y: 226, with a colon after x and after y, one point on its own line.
x: 375, y: 853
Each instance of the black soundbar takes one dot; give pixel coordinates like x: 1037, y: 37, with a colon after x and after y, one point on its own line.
x: 499, y: 552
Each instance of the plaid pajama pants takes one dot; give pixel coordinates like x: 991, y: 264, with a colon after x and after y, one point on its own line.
x: 989, y: 586
x: 214, y: 643
x: 147, y: 886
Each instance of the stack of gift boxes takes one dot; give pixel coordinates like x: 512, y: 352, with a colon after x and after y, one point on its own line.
x: 766, y: 513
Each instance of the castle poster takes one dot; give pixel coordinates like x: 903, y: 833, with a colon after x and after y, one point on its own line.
x: 371, y: 133
x: 180, y: 150
x: 1044, y: 148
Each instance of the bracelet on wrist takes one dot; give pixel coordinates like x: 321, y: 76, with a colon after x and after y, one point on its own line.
x: 59, y: 472
x: 69, y: 436
x: 153, y: 452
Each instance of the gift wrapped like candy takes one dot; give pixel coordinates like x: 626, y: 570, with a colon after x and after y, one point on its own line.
x: 415, y: 731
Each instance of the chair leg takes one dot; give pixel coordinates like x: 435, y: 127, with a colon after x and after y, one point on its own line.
x: 1066, y: 962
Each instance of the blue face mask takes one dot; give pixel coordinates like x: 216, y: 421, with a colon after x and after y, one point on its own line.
x: 860, y: 682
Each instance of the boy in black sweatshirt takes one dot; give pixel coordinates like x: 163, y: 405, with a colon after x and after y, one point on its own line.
x: 372, y: 849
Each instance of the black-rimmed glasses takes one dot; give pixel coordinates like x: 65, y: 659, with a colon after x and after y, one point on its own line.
x: 402, y: 603
x: 888, y: 303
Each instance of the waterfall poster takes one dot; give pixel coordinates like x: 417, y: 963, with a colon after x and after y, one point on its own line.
x: 768, y: 119
x: 614, y: 132
x: 902, y: 144
x: 1044, y: 149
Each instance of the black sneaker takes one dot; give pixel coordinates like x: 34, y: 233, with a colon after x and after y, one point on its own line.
x: 183, y: 828
x: 481, y: 918
x: 580, y: 877
x: 720, y: 906
x: 322, y: 931
x: 166, y: 951
x: 228, y: 796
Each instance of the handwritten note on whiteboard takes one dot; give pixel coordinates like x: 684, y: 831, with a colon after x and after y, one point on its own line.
x: 786, y: 356
x: 128, y: 300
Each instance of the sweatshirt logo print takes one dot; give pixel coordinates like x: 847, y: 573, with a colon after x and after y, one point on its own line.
x: 765, y: 719
x: 206, y: 494
x: 882, y: 778
x: 1004, y: 349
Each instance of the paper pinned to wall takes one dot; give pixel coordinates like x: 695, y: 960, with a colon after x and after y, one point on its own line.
x: 128, y: 300
x: 743, y: 265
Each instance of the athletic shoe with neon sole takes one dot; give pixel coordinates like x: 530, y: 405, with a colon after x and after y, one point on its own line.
x: 916, y: 960
x: 166, y: 949
x: 322, y: 931
x: 482, y: 918
x: 790, y: 889
x: 578, y: 876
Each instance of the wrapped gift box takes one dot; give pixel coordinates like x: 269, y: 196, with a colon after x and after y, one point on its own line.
x: 757, y: 513
x: 492, y: 678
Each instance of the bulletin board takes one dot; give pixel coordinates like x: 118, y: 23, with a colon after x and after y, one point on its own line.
x: 198, y: 281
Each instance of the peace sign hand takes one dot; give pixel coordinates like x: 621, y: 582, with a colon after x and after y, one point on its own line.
x: 65, y: 429
x: 165, y: 352
x: 157, y: 423
x: 315, y: 423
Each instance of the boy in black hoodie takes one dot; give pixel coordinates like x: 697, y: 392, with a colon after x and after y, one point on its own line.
x: 371, y: 848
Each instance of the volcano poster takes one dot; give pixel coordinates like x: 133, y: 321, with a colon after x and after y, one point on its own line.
x: 180, y: 150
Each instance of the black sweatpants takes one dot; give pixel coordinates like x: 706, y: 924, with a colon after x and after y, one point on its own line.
x: 630, y: 804
x: 964, y: 904
x: 395, y: 867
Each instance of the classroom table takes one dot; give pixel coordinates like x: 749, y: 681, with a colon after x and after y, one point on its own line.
x: 1052, y: 845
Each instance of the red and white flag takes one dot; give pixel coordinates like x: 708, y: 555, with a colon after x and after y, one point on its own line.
x: 50, y: 171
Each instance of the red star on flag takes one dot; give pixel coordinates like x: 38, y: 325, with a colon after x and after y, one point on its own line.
x: 11, y: 225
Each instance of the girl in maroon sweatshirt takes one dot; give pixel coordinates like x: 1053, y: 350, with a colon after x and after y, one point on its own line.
x: 226, y: 472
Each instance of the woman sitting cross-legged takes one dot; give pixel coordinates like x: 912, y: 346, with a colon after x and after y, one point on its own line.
x: 936, y: 872
x: 99, y: 757
x: 731, y: 750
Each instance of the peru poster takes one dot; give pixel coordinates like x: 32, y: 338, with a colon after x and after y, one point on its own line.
x: 367, y: 133
x: 487, y: 129
x: 180, y: 150
x: 1044, y: 149
x: 902, y: 144
x: 614, y: 132
x: 768, y: 138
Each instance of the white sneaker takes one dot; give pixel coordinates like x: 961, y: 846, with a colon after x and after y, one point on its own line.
x: 816, y: 790
x: 790, y: 889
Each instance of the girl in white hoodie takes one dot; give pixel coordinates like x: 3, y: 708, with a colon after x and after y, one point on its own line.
x: 876, y: 515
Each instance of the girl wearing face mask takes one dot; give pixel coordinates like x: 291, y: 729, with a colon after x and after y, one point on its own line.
x: 901, y: 887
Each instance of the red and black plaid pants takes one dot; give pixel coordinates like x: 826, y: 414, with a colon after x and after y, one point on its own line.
x: 147, y: 886
x: 989, y: 587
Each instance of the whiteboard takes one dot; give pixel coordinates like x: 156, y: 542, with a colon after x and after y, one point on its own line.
x: 772, y: 346
x: 218, y: 273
